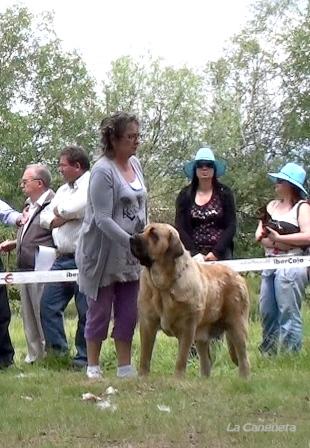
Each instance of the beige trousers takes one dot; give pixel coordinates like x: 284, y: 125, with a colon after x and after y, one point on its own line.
x: 31, y: 295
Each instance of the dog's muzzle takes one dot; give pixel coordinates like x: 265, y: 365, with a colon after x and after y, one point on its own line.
x: 138, y: 249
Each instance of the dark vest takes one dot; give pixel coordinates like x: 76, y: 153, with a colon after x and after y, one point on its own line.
x: 33, y: 237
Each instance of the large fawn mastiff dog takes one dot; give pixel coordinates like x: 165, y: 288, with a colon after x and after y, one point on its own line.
x: 188, y: 300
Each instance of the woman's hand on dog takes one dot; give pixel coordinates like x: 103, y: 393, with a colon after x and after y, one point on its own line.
x: 273, y: 235
x: 210, y: 257
x: 276, y: 240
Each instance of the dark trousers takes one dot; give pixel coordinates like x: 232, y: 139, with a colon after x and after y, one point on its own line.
x: 55, y: 299
x: 6, y: 347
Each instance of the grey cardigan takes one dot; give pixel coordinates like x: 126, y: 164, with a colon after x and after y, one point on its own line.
x: 114, y: 211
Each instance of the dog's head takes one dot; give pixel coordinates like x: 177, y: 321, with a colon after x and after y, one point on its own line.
x: 263, y: 215
x: 156, y: 243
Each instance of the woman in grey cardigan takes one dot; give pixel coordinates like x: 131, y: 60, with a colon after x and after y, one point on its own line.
x: 108, y: 272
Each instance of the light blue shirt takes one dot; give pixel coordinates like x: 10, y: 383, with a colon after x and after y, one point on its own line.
x: 7, y: 214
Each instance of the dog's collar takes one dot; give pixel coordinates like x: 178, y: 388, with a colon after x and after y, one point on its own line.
x: 176, y: 279
x: 170, y: 288
x: 180, y: 274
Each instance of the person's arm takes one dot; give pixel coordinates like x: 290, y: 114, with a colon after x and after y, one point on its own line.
x: 101, y: 191
x: 229, y: 210
x: 72, y: 206
x: 47, y: 215
x: 268, y: 243
x: 58, y: 221
x: 181, y: 221
x: 299, y: 239
x: 260, y: 232
x: 8, y: 245
x: 9, y: 216
x: 48, y: 218
x: 260, y: 236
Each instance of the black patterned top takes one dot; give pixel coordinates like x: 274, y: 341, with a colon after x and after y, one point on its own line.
x: 206, y: 220
x: 226, y: 221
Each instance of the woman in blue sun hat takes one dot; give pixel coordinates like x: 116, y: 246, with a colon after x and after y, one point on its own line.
x: 205, y: 209
x: 282, y: 289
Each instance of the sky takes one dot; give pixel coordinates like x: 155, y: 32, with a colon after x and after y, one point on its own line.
x: 181, y: 32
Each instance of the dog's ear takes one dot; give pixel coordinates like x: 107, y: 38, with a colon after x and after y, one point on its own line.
x: 263, y: 214
x: 175, y: 248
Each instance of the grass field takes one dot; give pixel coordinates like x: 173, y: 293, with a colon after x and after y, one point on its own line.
x: 42, y: 406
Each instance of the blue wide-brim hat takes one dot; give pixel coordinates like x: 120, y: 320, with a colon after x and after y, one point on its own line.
x: 292, y: 173
x: 204, y: 154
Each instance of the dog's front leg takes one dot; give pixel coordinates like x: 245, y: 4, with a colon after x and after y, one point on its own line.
x: 186, y: 339
x: 148, y: 330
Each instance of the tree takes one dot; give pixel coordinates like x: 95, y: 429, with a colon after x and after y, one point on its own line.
x: 48, y: 99
x: 251, y: 105
x: 257, y: 114
x: 296, y: 84
x: 170, y: 104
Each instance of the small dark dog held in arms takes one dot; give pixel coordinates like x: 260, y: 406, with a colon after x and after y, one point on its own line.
x: 282, y: 227
x: 188, y: 300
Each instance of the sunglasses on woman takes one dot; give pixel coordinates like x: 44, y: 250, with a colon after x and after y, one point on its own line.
x: 204, y: 164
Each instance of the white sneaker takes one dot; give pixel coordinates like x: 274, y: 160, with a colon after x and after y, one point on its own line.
x: 126, y: 372
x: 94, y: 372
x: 30, y: 359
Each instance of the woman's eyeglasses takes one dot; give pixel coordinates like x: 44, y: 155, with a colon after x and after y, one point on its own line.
x: 133, y: 137
x: 204, y: 164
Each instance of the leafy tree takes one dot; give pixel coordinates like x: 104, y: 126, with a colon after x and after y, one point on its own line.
x: 170, y: 104
x: 48, y: 99
x: 296, y: 85
x: 251, y: 105
x: 257, y: 117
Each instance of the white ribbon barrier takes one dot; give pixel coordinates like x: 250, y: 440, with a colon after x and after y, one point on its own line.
x: 258, y: 264
x: 242, y: 265
x: 11, y: 278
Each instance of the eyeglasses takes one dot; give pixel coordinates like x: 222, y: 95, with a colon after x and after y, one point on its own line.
x: 133, y: 137
x: 26, y: 181
x: 204, y: 164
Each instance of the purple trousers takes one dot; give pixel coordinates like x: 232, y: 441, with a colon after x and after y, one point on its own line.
x: 123, y: 297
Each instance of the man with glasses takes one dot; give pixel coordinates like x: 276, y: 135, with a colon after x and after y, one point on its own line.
x: 35, y: 184
x: 64, y: 216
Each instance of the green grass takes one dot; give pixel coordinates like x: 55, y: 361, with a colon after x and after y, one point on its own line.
x: 41, y: 405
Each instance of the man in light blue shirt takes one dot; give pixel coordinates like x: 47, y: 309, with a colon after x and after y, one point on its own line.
x: 11, y: 217
x: 8, y: 215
